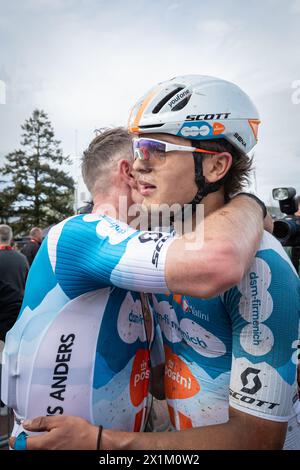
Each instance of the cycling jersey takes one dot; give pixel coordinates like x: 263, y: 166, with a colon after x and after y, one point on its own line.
x: 79, y: 346
x: 242, y: 335
x: 236, y: 349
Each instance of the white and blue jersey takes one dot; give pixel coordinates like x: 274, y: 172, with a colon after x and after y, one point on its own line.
x: 79, y: 346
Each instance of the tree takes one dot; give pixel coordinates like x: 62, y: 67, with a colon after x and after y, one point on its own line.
x: 6, y: 205
x: 40, y: 192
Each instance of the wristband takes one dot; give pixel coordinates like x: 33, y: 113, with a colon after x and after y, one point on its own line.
x: 259, y: 201
x: 20, y: 442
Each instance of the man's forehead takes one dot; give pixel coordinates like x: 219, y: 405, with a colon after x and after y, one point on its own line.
x: 172, y: 139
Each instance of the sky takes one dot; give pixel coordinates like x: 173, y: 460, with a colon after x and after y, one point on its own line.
x: 86, y: 62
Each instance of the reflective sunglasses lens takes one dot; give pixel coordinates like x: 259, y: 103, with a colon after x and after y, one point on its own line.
x: 141, y: 154
x: 155, y: 147
x: 144, y: 149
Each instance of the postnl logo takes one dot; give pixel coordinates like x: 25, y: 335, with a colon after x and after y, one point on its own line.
x: 179, y: 380
x: 139, y: 378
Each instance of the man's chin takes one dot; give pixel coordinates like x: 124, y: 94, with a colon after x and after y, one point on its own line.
x: 137, y: 197
x: 146, y: 205
x: 154, y: 206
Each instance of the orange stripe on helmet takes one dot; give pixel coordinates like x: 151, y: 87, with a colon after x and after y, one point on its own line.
x: 134, y: 128
x: 254, y: 123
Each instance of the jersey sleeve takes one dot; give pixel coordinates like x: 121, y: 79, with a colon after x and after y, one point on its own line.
x: 89, y: 252
x: 264, y: 310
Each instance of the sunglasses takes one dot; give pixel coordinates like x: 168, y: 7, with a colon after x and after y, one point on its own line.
x: 146, y: 149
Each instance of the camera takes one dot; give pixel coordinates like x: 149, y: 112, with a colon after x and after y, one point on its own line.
x: 287, y: 229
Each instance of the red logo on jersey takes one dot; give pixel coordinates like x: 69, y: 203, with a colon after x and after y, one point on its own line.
x: 139, y: 379
x: 180, y: 300
x: 184, y: 421
x: 139, y: 420
x: 179, y: 380
x: 177, y: 298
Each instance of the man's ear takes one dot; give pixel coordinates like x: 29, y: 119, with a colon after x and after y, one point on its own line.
x: 216, y: 166
x: 125, y: 170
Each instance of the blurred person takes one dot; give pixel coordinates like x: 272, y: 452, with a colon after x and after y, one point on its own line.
x: 13, y: 273
x: 297, y: 213
x: 31, y: 248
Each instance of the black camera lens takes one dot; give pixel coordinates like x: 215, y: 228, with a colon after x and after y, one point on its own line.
x: 281, y: 230
x: 287, y: 230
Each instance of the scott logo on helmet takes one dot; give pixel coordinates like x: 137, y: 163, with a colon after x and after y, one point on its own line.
x: 207, y: 117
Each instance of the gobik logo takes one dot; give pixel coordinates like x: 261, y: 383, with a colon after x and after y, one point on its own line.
x: 256, y: 383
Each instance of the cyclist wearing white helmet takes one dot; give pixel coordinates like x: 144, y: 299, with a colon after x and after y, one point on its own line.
x: 209, y: 114
x: 233, y: 353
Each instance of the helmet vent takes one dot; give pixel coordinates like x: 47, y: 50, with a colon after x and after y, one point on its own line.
x: 166, y: 99
x: 181, y: 104
x: 151, y: 126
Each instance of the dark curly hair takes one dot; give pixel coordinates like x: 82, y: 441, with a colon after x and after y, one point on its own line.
x: 239, y: 173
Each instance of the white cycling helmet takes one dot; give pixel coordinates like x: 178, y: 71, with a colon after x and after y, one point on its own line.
x: 198, y: 107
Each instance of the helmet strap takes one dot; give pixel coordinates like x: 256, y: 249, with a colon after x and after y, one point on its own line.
x: 203, y: 188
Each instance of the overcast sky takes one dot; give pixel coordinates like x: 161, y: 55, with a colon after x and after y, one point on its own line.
x: 86, y: 62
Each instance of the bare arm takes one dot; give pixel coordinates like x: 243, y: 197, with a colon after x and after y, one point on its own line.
x: 242, y: 432
x: 156, y: 262
x: 231, y: 238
